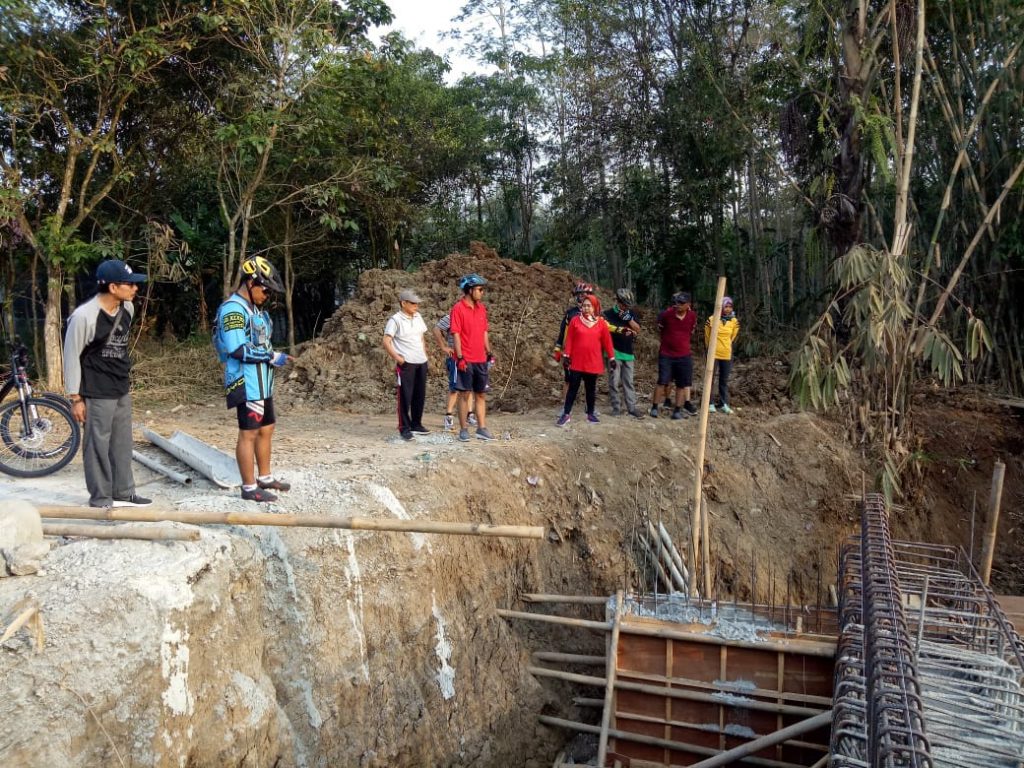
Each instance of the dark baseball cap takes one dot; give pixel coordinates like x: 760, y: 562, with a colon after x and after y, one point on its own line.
x: 116, y: 271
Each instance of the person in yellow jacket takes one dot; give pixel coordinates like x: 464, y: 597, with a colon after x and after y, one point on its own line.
x: 728, y: 330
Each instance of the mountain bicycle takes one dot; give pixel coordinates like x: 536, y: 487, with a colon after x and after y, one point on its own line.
x: 38, y: 434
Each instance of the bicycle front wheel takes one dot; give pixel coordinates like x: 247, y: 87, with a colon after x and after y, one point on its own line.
x: 37, y: 437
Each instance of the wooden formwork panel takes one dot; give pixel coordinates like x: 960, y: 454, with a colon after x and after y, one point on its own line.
x: 710, y: 685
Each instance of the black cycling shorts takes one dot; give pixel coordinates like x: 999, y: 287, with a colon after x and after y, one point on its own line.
x: 254, y: 414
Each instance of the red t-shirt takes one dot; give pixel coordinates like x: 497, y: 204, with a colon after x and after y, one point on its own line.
x: 676, y: 332
x: 584, y: 345
x: 470, y: 322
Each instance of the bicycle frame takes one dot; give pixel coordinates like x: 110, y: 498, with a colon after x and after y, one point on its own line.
x: 18, y: 379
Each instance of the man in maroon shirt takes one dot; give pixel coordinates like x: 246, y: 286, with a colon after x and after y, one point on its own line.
x: 675, y: 362
x: 473, y: 358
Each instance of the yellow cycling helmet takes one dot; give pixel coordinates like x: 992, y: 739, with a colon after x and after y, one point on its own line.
x: 262, y: 272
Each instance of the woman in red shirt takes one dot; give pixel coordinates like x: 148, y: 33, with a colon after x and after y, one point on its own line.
x: 586, y: 338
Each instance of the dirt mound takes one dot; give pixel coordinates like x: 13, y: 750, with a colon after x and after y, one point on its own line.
x: 347, y: 367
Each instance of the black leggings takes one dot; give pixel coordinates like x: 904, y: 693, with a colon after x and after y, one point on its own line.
x: 590, y: 385
x: 723, y: 367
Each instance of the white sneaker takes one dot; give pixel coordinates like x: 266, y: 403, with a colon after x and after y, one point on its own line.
x: 472, y: 419
x: 449, y: 422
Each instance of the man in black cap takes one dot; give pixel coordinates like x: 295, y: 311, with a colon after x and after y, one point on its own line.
x: 96, y: 378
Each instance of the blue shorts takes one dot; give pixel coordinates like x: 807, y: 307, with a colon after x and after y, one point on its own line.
x: 474, y: 379
x: 677, y: 369
x: 453, y: 373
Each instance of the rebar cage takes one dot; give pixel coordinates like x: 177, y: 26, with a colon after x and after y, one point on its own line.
x: 929, y: 671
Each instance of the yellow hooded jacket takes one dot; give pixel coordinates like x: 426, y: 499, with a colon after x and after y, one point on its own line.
x: 728, y: 330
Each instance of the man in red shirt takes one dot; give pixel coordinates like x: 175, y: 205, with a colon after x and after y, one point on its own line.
x: 473, y: 358
x: 675, y: 362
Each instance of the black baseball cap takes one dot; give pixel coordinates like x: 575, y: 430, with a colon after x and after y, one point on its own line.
x: 116, y: 271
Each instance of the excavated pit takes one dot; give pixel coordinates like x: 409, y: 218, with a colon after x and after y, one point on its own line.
x: 303, y: 647
x: 280, y: 647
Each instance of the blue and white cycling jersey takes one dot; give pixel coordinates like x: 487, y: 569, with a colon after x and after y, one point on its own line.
x: 245, y: 335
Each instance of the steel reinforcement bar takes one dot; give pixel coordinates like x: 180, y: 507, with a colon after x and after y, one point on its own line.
x: 878, y: 717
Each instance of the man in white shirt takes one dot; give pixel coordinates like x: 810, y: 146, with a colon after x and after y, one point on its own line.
x: 403, y: 341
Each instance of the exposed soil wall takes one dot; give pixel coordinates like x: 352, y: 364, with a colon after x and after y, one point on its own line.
x: 263, y: 647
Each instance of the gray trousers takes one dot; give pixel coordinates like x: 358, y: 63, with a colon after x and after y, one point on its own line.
x: 622, y: 374
x: 107, y: 450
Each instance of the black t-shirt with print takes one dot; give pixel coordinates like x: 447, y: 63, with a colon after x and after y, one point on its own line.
x: 105, y: 362
x: 623, y: 342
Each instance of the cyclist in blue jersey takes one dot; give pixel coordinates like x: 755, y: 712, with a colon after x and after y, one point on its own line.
x: 243, y: 340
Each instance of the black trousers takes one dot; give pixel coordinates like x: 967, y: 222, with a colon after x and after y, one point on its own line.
x: 723, y: 367
x: 412, y: 392
x: 590, y: 386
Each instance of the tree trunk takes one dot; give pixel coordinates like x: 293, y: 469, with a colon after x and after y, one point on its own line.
x: 289, y: 279
x: 52, y: 337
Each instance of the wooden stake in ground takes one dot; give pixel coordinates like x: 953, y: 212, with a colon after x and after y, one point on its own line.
x: 25, y: 611
x: 293, y: 521
x: 609, y: 690
x: 698, y: 481
x: 988, y: 549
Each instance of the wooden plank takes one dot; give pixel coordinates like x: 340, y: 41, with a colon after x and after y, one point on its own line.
x: 642, y: 654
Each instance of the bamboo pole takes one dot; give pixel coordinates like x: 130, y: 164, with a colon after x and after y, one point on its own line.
x: 570, y: 658
x: 678, y: 582
x: 544, y: 618
x: 659, y: 568
x: 705, y: 403
x: 609, y: 689
x: 705, y: 542
x: 677, y: 693
x: 676, y: 557
x: 293, y: 521
x: 777, y: 737
x: 577, y: 599
x: 806, y: 647
x: 120, y: 532
x: 988, y: 549
x: 654, y: 741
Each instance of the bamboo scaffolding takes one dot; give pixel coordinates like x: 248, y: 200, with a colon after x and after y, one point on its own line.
x: 654, y: 741
x: 609, y: 689
x: 580, y: 701
x: 696, y: 524
x: 578, y: 599
x: 655, y: 540
x: 676, y: 557
x: 97, y: 531
x: 824, y: 649
x: 293, y: 521
x: 777, y: 737
x: 569, y: 658
x: 734, y: 700
x: 659, y: 568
